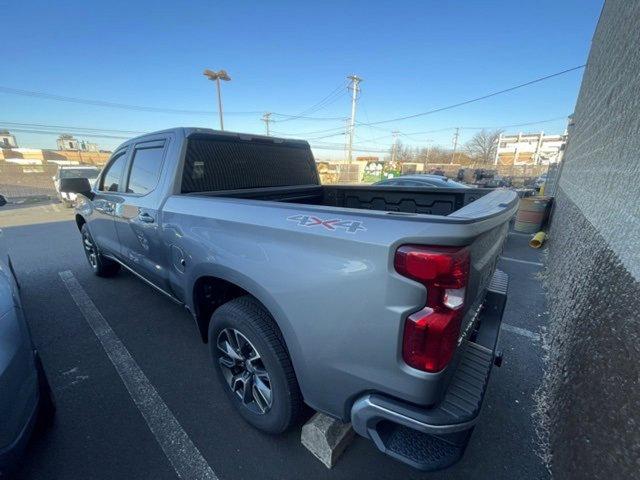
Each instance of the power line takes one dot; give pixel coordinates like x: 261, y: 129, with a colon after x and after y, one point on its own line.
x: 303, y: 117
x: 19, y: 125
x: 102, y: 103
x: 139, y: 108
x: 327, y: 100
x: 310, y: 133
x: 564, y: 117
x: 438, y: 130
x: 321, y: 145
x: 80, y: 134
x: 477, y: 99
x: 332, y: 97
x: 339, y: 134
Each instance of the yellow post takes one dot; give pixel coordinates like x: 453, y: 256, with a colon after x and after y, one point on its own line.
x: 537, y: 240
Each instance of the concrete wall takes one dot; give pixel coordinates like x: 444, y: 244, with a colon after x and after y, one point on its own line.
x: 590, y: 399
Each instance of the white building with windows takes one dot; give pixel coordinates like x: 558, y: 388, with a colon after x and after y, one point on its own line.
x: 530, y: 149
x: 69, y: 142
x: 7, y: 139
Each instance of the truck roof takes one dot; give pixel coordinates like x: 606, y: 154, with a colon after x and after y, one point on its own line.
x: 187, y: 132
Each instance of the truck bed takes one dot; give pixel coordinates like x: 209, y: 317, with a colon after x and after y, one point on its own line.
x: 431, y: 201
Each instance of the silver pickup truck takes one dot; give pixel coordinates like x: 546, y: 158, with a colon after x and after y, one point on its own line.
x: 375, y: 305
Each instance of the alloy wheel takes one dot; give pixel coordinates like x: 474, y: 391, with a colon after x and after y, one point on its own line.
x: 90, y: 250
x: 244, y: 371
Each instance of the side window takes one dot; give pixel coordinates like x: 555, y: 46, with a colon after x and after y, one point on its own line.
x: 145, y: 169
x: 113, y: 174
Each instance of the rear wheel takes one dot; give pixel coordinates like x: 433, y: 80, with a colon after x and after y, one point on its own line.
x: 101, y: 266
x: 253, y: 365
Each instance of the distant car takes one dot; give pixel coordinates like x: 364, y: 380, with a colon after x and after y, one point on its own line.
x: 437, y: 181
x: 25, y: 395
x: 75, y: 171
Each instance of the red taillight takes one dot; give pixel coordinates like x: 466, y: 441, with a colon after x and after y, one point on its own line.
x: 431, y: 335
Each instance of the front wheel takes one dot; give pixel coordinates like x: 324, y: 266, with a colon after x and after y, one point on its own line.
x: 253, y: 365
x: 101, y: 266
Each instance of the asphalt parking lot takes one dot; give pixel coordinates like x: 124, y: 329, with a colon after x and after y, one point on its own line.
x: 100, y: 433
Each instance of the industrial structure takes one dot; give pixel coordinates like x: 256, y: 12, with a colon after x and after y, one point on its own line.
x: 530, y: 149
x: 69, y: 142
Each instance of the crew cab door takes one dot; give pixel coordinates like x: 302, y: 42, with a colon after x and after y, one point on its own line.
x: 105, y: 201
x: 136, y: 219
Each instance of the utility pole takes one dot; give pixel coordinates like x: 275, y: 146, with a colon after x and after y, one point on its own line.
x: 455, y: 144
x: 355, y: 89
x: 217, y: 76
x: 346, y: 135
x: 394, y: 147
x: 266, y: 118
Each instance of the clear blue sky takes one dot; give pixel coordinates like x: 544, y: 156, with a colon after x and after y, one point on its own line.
x: 284, y: 56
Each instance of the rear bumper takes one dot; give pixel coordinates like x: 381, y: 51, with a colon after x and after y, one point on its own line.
x: 435, y: 438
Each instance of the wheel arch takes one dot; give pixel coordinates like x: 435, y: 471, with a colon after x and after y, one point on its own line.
x: 214, y: 286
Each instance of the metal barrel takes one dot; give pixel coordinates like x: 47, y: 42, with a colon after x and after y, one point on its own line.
x: 532, y: 213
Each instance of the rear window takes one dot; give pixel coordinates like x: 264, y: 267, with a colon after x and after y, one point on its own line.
x: 214, y: 164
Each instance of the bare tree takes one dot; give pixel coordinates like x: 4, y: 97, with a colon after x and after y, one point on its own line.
x: 435, y: 154
x: 403, y: 153
x: 483, y: 145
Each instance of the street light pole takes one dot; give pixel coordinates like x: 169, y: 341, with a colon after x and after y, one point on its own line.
x: 217, y: 76
x: 220, y: 104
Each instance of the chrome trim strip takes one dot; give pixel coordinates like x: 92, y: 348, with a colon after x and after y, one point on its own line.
x: 148, y: 282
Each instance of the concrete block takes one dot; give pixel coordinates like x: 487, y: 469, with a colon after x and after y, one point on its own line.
x: 326, y: 438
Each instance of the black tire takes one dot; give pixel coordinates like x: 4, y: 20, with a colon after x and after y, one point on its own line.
x: 47, y: 404
x: 101, y: 266
x: 246, y: 316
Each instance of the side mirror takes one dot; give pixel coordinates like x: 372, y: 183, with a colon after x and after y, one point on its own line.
x: 79, y: 186
x: 3, y: 201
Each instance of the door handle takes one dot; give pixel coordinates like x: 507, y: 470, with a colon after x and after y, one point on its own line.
x: 145, y: 217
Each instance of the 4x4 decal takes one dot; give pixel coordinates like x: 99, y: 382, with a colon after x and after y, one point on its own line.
x: 350, y: 226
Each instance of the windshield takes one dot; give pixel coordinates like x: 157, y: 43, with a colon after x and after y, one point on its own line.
x: 90, y: 173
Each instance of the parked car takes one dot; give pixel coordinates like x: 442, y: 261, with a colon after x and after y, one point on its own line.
x: 25, y: 395
x: 75, y: 171
x: 422, y: 180
x: 373, y: 304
